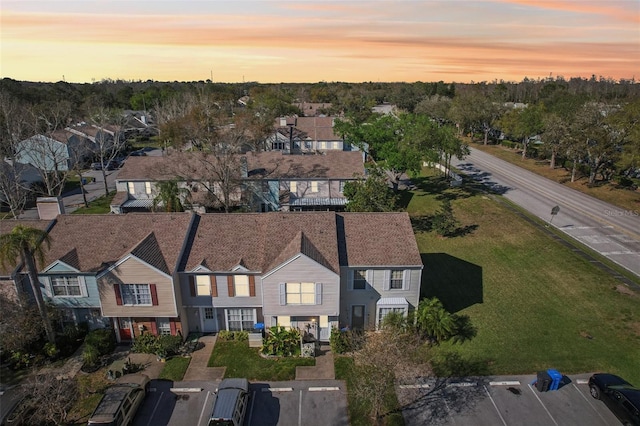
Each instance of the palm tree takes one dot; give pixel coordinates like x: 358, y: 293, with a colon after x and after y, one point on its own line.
x: 170, y: 196
x: 434, y: 321
x: 27, y: 244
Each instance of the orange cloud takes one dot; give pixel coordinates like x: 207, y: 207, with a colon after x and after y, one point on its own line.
x: 593, y: 7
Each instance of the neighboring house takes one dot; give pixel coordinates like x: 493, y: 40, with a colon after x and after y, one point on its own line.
x: 57, y: 152
x: 312, y: 271
x: 297, y: 135
x: 302, y: 182
x: 267, y: 181
x: 118, y: 271
x: 385, y: 109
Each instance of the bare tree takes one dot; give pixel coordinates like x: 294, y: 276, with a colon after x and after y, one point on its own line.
x: 109, y: 140
x: 14, y: 127
x: 20, y: 323
x: 48, y: 400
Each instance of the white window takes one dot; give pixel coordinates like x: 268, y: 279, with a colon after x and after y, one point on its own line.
x: 131, y: 188
x: 208, y: 313
x: 147, y: 188
x: 396, y: 279
x: 203, y: 285
x: 240, y: 319
x: 341, y: 189
x: 241, y: 284
x: 164, y: 328
x: 293, y: 187
x: 66, y: 286
x: 322, y: 145
x: 314, y: 186
x: 383, y: 312
x: 135, y: 294
x: 360, y: 279
x: 301, y: 293
x: 307, y: 144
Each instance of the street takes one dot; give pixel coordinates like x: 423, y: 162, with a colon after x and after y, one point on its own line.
x: 607, y: 229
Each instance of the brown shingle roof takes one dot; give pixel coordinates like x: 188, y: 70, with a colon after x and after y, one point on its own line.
x: 262, y: 240
x: 313, y: 128
x: 90, y: 242
x: 383, y: 239
x: 271, y: 164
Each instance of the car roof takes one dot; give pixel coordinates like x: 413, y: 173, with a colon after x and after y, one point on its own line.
x: 111, y: 401
x: 633, y: 395
x: 228, y: 393
x: 610, y: 379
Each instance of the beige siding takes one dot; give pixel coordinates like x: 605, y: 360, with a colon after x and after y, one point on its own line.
x: 133, y: 271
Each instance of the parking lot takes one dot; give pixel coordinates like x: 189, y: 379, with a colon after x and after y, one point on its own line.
x: 502, y: 401
x: 292, y: 403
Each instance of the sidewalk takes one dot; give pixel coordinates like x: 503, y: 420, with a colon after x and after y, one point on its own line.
x: 198, y: 369
x: 323, y: 370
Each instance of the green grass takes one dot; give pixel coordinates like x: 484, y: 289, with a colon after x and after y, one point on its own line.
x: 243, y: 361
x: 535, y: 303
x: 98, y: 206
x: 175, y: 368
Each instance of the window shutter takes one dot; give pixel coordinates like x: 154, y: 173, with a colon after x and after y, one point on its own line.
x: 230, y: 288
x: 154, y: 294
x: 83, y: 286
x: 318, y: 293
x: 116, y: 288
x: 214, y: 286
x: 350, y: 279
x: 154, y: 327
x: 283, y: 294
x: 252, y: 285
x: 406, y: 279
x: 192, y: 285
x: 387, y: 277
x: 172, y: 327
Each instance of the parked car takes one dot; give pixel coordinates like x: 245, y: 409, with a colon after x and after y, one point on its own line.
x: 120, y: 402
x: 137, y: 153
x: 231, y: 402
x: 111, y: 165
x: 620, y: 396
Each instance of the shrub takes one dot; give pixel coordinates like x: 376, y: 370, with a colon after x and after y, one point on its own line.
x: 281, y: 342
x: 146, y: 343
x: 51, y: 350
x: 339, y: 341
x: 170, y: 345
x: 90, y: 355
x: 102, y: 339
x: 239, y: 336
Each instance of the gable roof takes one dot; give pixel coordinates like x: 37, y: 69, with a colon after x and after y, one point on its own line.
x: 383, y: 239
x: 265, y: 240
x: 91, y: 243
x: 266, y: 164
x: 310, y: 128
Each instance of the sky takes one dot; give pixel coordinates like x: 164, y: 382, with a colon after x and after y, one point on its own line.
x: 312, y: 41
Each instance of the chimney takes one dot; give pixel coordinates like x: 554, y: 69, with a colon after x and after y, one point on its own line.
x: 49, y: 207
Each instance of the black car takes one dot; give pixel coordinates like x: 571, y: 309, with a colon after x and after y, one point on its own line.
x: 619, y: 395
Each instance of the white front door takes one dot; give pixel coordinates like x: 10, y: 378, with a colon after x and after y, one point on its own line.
x: 209, y: 320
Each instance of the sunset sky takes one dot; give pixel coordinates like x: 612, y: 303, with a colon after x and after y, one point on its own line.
x: 311, y: 41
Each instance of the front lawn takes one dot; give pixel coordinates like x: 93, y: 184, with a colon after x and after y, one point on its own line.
x: 100, y: 205
x: 243, y: 361
x: 175, y: 368
x: 535, y: 303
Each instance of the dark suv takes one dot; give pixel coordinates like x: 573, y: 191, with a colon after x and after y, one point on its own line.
x: 619, y: 395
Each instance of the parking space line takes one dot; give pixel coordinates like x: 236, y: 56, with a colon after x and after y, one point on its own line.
x: 326, y: 388
x: 184, y: 390
x: 203, y: 408
x: 253, y: 401
x: 494, y: 405
x: 300, y: 410
x: 543, y: 406
x: 589, y: 402
x: 277, y: 389
x: 155, y: 408
x: 506, y: 383
x: 425, y: 386
x: 461, y: 384
x: 582, y: 381
x: 453, y: 419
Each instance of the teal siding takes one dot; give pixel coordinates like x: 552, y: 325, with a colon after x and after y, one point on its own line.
x: 91, y: 300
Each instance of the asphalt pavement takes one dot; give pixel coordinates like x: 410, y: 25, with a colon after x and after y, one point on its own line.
x: 603, y: 227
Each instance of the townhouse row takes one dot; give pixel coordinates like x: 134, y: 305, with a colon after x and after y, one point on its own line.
x: 175, y: 273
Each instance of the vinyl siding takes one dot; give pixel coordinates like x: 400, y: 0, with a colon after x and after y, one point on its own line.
x: 133, y: 271
x: 223, y: 299
x: 302, y: 269
x: 92, y: 300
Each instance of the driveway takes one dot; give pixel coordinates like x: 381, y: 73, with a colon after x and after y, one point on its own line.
x: 608, y: 230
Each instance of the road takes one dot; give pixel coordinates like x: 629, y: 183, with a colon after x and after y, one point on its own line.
x: 607, y: 229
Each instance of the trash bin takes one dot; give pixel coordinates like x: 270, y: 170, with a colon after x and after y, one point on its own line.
x: 543, y: 381
x: 556, y: 378
x: 259, y: 328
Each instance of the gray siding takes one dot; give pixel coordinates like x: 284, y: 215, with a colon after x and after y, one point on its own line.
x: 226, y: 301
x: 88, y: 284
x: 302, y: 269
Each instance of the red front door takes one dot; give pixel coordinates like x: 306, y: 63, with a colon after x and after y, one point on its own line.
x: 124, y: 327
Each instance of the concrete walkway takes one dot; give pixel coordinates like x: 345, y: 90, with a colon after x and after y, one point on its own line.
x: 198, y: 369
x: 323, y: 370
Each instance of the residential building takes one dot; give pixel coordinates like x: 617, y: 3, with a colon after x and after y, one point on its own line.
x: 297, y: 135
